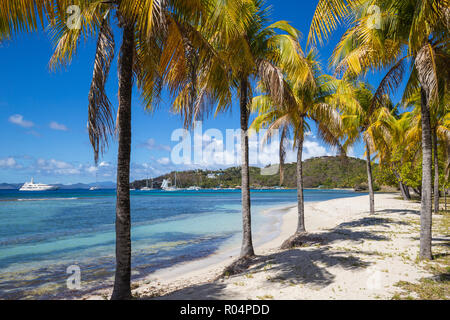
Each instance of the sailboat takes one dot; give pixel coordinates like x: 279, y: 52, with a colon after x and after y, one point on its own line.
x: 147, y: 188
x: 166, y: 185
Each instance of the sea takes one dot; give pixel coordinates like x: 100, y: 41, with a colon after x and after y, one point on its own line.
x: 48, y: 238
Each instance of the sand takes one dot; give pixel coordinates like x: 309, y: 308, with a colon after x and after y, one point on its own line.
x: 358, y: 257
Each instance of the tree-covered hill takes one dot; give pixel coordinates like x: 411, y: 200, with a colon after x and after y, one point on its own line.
x: 327, y: 172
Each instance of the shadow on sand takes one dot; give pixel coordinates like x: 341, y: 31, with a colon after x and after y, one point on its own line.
x: 302, y: 265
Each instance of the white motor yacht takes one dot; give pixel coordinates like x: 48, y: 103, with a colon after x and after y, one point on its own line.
x: 31, y: 186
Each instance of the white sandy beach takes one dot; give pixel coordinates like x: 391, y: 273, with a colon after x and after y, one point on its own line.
x: 359, y: 257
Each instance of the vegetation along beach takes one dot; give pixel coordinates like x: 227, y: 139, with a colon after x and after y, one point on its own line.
x: 224, y: 150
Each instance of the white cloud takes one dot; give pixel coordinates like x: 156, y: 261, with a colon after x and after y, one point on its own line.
x: 8, y: 163
x: 91, y: 169
x: 57, y: 126
x: 311, y: 149
x: 20, y: 121
x: 351, y: 152
x: 57, y: 167
x: 104, y: 164
x: 164, y: 161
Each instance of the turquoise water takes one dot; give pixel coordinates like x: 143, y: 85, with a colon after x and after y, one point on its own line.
x: 42, y: 234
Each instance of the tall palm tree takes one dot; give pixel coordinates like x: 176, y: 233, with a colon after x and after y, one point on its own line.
x: 359, y: 123
x: 266, y: 50
x: 407, y: 31
x: 239, y: 56
x: 145, y: 26
x: 313, y: 98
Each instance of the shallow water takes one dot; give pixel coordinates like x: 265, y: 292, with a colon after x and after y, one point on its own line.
x: 43, y: 233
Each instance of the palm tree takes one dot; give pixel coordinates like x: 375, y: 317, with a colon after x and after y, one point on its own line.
x: 239, y: 55
x: 315, y: 98
x: 440, y: 133
x: 395, y: 139
x: 358, y: 122
x: 145, y: 27
x: 407, y: 31
x: 265, y: 50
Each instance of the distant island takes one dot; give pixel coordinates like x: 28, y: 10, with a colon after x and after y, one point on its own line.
x: 326, y: 172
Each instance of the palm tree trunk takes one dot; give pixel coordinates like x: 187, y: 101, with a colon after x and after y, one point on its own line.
x: 426, y: 210
x: 122, y: 287
x: 406, y: 188
x: 370, y: 181
x: 445, y: 197
x: 300, y: 200
x: 402, y: 190
x: 247, y: 244
x: 436, y: 172
x: 282, y: 154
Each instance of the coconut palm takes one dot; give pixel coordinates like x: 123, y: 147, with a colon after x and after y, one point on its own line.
x: 145, y: 26
x: 315, y: 100
x: 359, y: 123
x: 403, y: 31
x: 395, y: 139
x: 238, y: 57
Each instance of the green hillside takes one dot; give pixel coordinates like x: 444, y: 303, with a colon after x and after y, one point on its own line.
x: 326, y: 172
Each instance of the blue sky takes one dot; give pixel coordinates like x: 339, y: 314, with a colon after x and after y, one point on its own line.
x: 43, y: 114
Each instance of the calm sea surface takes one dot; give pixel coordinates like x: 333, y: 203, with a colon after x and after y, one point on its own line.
x: 44, y: 233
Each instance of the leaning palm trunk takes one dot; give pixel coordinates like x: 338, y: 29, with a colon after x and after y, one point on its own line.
x: 370, y: 181
x: 426, y: 210
x: 405, y: 191
x: 122, y: 288
x: 300, y: 200
x: 436, y: 173
x: 403, y: 188
x: 247, y: 244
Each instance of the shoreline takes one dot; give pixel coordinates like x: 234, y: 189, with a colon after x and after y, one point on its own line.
x: 210, y: 266
x: 357, y: 256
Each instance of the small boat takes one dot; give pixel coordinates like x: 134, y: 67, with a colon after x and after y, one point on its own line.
x: 193, y: 188
x: 94, y: 188
x: 166, y: 184
x: 31, y: 186
x: 147, y: 188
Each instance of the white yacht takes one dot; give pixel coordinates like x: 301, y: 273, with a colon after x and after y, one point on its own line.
x: 31, y: 186
x: 193, y: 188
x: 94, y: 188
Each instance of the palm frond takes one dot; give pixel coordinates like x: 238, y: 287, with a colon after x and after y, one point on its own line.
x: 101, y: 120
